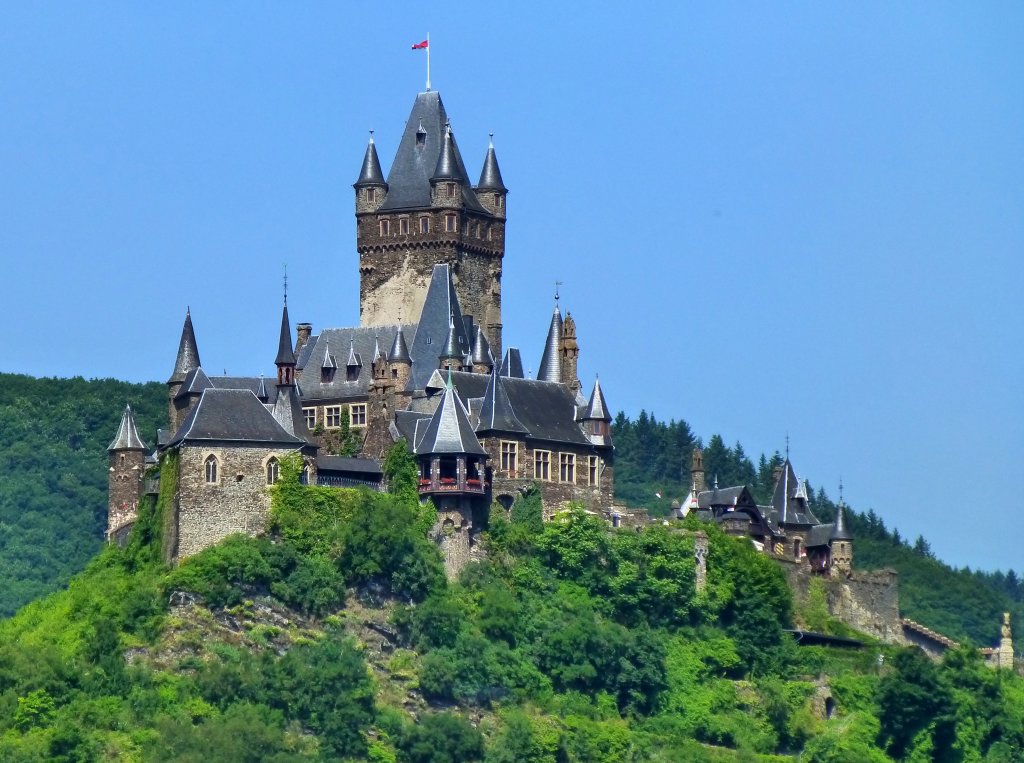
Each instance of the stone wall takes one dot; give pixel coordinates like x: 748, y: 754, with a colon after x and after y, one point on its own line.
x: 124, y: 489
x: 238, y: 502
x: 455, y: 533
x: 866, y: 601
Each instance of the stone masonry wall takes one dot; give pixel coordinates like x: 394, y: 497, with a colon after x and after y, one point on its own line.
x: 238, y: 503
x: 866, y: 601
x: 124, y: 485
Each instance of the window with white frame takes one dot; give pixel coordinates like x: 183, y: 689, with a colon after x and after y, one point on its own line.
x: 310, y: 415
x: 567, y: 467
x: 357, y: 415
x: 385, y: 227
x: 332, y: 416
x: 593, y: 472
x: 403, y: 226
x: 273, y: 470
x: 542, y: 465
x: 451, y: 223
x: 424, y: 225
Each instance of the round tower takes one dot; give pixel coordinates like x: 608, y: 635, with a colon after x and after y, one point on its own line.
x: 127, y: 459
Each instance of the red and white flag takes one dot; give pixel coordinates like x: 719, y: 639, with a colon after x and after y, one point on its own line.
x: 421, y: 45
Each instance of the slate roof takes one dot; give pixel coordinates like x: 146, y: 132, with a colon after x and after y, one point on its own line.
x: 361, y: 341
x: 285, y: 356
x: 481, y: 349
x: 447, y: 168
x: 789, y: 501
x: 232, y: 415
x: 416, y: 159
x: 819, y: 535
x: 371, y: 173
x: 726, y: 496
x: 440, y: 311
x: 490, y: 175
x: 194, y: 383
x: 287, y: 412
x: 512, y: 363
x: 348, y: 465
x: 127, y: 437
x: 840, y: 530
x: 197, y: 381
x: 550, y: 368
x: 399, y: 349
x: 449, y: 430
x: 188, y: 351
x: 496, y: 412
x: 597, y: 408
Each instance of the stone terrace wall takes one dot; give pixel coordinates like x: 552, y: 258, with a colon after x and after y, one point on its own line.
x: 866, y: 601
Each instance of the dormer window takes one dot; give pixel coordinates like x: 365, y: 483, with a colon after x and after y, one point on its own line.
x: 326, y: 375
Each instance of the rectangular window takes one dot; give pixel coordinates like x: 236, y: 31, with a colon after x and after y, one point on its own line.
x: 357, y: 414
x: 451, y: 223
x: 424, y: 225
x: 451, y: 190
x: 371, y: 195
x: 403, y: 226
x: 542, y: 464
x: 385, y: 227
x: 497, y: 200
x: 567, y: 467
x: 333, y: 416
x: 310, y: 416
x: 509, y: 457
x: 593, y: 475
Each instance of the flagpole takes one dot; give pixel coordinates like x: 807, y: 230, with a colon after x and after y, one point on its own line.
x: 428, y: 62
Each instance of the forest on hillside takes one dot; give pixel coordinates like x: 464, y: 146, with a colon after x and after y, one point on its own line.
x: 337, y: 637
x: 53, y: 462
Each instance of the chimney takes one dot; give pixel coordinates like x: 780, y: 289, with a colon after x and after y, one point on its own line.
x: 302, y: 333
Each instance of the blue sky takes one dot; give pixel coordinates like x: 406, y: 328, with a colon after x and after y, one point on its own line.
x: 769, y: 218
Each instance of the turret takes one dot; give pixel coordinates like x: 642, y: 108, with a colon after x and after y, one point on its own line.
x: 569, y: 353
x: 371, y: 187
x: 451, y: 355
x: 482, y: 361
x: 401, y: 361
x: 285, y: 360
x: 127, y: 459
x: 287, y: 406
x: 841, y: 544
x: 446, y: 182
x: 550, y: 369
x: 697, y: 470
x: 186, y: 362
x: 491, y: 189
x: 596, y: 418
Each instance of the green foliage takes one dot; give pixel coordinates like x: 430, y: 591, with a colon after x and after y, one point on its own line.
x: 441, y: 738
x: 911, y: 698
x: 53, y: 458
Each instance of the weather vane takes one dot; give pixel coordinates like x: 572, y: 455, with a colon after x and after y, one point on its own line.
x: 286, y: 283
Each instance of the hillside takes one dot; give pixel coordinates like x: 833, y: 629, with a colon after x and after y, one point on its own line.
x: 338, y: 638
x: 54, y: 432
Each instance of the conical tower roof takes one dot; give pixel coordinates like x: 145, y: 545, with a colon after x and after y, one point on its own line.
x: 550, y: 364
x: 452, y: 347
x: 481, y: 349
x: 512, y: 364
x: 285, y: 356
x: 840, y: 530
x: 490, y: 175
x: 597, y: 408
x: 496, y: 412
x: 447, y: 167
x: 371, y: 173
x: 261, y: 392
x: 449, y: 430
x: 188, y: 352
x: 127, y: 435
x: 399, y: 349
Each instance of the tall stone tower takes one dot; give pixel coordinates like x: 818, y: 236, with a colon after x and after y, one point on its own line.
x: 186, y: 361
x: 127, y: 457
x: 426, y: 213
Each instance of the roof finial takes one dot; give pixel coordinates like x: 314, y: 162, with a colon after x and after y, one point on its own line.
x: 558, y: 285
x: 490, y: 140
x: 787, y: 446
x: 371, y: 136
x: 840, y: 490
x: 286, y: 283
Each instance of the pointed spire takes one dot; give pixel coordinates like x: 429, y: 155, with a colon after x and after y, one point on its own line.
x: 127, y: 435
x: 285, y: 356
x: 550, y: 364
x: 371, y: 173
x: 496, y: 411
x: 447, y: 167
x: 353, y: 359
x: 451, y: 345
x: 512, y: 364
x: 490, y: 176
x: 840, y: 531
x: 261, y: 392
x: 481, y: 350
x: 329, y: 362
x: 597, y: 408
x: 399, y: 349
x: 188, y: 352
x: 378, y: 354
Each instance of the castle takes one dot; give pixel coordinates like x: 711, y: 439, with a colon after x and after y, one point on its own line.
x: 431, y: 246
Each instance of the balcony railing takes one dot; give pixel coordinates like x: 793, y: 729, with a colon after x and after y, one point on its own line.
x: 452, y: 485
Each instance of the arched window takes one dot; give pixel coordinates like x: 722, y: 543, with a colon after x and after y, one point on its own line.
x: 211, y: 470
x: 272, y: 471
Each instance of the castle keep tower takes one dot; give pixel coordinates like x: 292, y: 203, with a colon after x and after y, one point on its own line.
x: 426, y: 213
